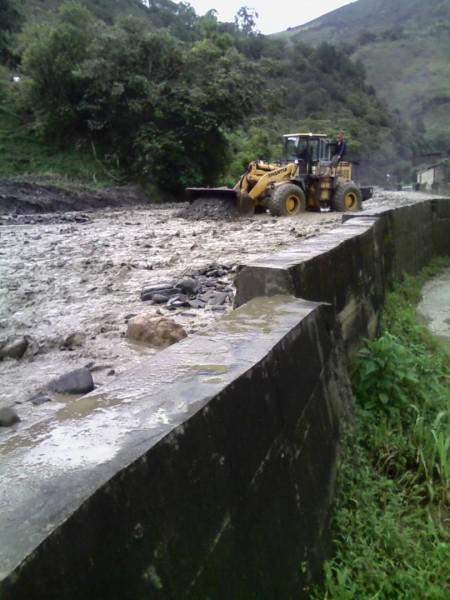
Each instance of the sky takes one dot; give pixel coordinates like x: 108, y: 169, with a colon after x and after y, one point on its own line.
x: 274, y: 15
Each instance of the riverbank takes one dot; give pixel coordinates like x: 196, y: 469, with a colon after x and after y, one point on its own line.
x: 392, y: 523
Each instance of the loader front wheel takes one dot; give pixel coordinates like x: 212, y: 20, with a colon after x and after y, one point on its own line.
x: 347, y: 197
x: 287, y: 200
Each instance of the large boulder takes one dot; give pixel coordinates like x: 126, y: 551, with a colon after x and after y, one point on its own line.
x: 78, y: 381
x: 13, y: 348
x: 159, y: 332
x: 8, y: 417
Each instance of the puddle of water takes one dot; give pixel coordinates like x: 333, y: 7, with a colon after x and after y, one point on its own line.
x: 435, y: 306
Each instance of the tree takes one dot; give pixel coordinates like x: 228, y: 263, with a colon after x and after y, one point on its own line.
x: 245, y: 20
x: 52, y: 53
x: 10, y: 22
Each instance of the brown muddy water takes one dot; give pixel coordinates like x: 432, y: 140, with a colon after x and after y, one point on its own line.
x: 70, y: 287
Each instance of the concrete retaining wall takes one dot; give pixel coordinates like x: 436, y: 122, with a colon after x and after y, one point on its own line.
x: 208, y: 472
x: 352, y: 266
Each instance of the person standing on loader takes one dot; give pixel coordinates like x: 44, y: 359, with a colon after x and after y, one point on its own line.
x: 341, y: 149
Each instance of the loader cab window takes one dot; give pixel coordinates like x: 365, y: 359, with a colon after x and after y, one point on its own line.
x: 291, y: 148
x: 297, y: 148
x: 325, y: 150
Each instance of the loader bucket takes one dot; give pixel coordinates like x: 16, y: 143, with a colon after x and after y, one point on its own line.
x: 241, y: 202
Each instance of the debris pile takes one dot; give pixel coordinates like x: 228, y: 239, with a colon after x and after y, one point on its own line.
x: 214, y: 209
x: 209, y: 288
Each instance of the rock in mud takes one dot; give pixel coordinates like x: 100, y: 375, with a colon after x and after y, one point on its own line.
x: 74, y: 340
x: 159, y: 332
x: 15, y: 348
x: 178, y: 301
x: 188, y: 285
x: 40, y: 399
x: 162, y: 289
x: 160, y: 298
x: 197, y: 303
x: 76, y: 382
x: 8, y: 417
x: 218, y: 299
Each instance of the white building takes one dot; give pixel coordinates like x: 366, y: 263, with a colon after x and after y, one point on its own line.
x: 430, y: 177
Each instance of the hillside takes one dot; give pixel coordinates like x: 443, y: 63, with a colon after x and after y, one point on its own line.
x: 405, y: 47
x: 107, y: 10
x: 170, y: 99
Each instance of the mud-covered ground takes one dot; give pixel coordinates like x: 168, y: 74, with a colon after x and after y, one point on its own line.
x: 70, y: 281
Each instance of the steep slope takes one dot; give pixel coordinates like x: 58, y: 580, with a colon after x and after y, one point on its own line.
x: 345, y: 24
x: 405, y: 48
x: 107, y: 10
x: 152, y: 89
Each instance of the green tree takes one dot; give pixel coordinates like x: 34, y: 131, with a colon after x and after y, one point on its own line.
x: 52, y: 53
x: 245, y: 20
x: 10, y: 23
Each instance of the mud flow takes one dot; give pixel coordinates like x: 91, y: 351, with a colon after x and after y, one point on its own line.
x: 69, y: 282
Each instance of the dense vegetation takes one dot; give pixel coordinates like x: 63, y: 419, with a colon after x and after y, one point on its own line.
x: 161, y: 95
x: 392, y: 523
x: 404, y: 46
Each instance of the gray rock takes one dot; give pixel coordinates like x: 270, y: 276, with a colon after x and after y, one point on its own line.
x: 178, y: 301
x: 76, y: 382
x: 160, y: 298
x: 148, y: 292
x: 157, y: 287
x: 14, y: 348
x: 8, y: 417
x: 74, y: 340
x: 40, y: 399
x: 188, y: 285
x: 197, y: 303
x: 218, y: 299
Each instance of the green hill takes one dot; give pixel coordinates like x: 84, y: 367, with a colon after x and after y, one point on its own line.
x: 405, y: 47
x: 107, y: 10
x: 175, y: 99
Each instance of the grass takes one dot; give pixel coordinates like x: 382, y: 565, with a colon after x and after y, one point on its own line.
x: 24, y: 156
x: 392, y: 521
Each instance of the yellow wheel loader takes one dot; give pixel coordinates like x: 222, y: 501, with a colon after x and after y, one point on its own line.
x: 306, y: 179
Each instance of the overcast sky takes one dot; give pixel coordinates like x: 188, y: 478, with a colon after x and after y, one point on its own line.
x: 274, y: 15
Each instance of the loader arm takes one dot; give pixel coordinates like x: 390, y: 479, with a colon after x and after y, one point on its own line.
x: 260, y: 175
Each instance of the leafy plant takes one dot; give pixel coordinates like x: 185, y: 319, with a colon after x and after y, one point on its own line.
x: 391, y: 523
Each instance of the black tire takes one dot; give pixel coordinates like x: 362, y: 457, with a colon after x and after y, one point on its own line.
x: 287, y: 200
x: 347, y: 198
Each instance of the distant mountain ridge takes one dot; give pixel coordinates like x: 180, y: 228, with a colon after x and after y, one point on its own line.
x: 405, y: 48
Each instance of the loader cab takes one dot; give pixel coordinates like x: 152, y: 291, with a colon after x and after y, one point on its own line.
x: 306, y: 148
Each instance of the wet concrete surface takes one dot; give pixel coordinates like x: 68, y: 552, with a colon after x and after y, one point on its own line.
x: 434, y: 307
x: 58, y: 458
x: 70, y: 287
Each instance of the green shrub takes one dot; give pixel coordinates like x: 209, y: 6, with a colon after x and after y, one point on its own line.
x: 391, y: 523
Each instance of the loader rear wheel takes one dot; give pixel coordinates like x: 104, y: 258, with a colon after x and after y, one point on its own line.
x: 347, y: 198
x: 287, y: 200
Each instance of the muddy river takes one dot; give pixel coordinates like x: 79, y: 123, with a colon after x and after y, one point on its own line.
x: 69, y: 288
